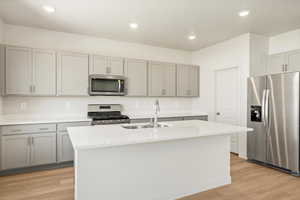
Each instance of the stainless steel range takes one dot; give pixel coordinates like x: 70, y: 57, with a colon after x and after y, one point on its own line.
x: 102, y: 114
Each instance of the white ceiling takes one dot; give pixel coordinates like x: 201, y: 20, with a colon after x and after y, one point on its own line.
x: 165, y: 23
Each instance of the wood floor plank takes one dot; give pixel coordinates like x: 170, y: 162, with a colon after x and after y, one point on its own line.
x: 249, y: 182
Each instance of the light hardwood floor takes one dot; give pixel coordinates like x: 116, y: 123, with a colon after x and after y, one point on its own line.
x: 250, y: 182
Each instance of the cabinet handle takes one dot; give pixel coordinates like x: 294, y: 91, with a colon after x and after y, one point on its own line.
x: 30, y: 88
x: 283, y: 67
x: 33, y: 89
x: 163, y: 91
x: 44, y: 129
x: 286, y: 67
x: 108, y: 70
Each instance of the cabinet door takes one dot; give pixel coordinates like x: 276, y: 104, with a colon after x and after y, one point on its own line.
x: 98, y: 64
x: 194, y: 81
x: 72, y: 74
x: 183, y: 80
x: 136, y: 73
x: 276, y: 63
x: 44, y: 72
x: 43, y: 148
x: 15, y: 151
x: 156, y: 75
x: 65, y: 148
x: 293, y: 61
x: 162, y: 79
x: 170, y: 80
x: 18, y: 70
x: 116, y: 66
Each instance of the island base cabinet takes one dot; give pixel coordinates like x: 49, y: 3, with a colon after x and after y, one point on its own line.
x: 15, y: 151
x: 160, y: 170
x: 26, y: 150
x: 64, y: 147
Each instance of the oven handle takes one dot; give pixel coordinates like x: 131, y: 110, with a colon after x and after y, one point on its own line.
x: 119, y: 81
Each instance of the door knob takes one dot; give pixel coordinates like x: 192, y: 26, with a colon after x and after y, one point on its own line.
x: 218, y: 113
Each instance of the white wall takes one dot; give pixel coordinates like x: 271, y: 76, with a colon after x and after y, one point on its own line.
x: 1, y: 40
x: 285, y: 42
x: 39, y: 38
x: 231, y: 53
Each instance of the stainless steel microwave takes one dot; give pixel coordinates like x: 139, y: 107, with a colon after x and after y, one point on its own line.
x: 107, y: 85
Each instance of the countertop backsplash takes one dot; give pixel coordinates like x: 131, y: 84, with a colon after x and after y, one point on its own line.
x: 78, y: 105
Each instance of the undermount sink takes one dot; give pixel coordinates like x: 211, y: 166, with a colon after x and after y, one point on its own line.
x: 145, y: 126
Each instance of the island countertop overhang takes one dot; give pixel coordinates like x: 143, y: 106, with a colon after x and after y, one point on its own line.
x: 104, y: 136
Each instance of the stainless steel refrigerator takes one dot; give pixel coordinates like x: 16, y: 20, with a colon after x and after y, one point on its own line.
x: 273, y: 113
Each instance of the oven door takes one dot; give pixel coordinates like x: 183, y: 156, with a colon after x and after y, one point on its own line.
x: 106, y: 85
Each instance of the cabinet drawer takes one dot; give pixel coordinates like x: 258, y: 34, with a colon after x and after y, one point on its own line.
x: 63, y: 126
x: 23, y: 129
x: 204, y: 117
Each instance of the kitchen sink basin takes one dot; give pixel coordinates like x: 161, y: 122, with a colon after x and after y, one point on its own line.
x: 140, y: 126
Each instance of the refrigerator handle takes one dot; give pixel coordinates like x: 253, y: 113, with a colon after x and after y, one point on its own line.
x: 266, y: 117
x: 263, y: 108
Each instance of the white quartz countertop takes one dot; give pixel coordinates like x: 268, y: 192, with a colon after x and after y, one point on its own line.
x: 62, y: 118
x: 115, y: 135
x: 39, y: 119
x: 171, y: 114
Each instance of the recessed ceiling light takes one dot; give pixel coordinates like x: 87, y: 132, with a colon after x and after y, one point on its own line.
x: 49, y: 9
x: 133, y: 25
x: 244, y: 13
x: 192, y: 37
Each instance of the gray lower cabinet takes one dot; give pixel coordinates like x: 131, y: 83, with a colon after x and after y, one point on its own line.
x: 65, y: 149
x: 27, y: 145
x: 28, y: 150
x: 43, y: 148
x: 15, y: 151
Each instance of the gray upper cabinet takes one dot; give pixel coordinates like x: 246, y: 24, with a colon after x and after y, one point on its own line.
x: 44, y: 72
x: 162, y: 79
x: 136, y: 73
x: 30, y: 71
x: 72, y: 74
x: 187, y: 81
x: 276, y: 63
x: 106, y: 65
x: 293, y: 61
x: 18, y: 71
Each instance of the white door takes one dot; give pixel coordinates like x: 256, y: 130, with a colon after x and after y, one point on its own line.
x: 43, y: 148
x: 65, y: 148
x: 227, y: 100
x: 44, y: 72
x: 15, y: 151
x: 72, y: 74
x: 18, y: 70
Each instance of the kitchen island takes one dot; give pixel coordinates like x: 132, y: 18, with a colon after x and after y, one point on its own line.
x: 187, y: 157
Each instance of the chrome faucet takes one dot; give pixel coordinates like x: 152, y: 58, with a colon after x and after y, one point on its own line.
x: 157, y: 110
